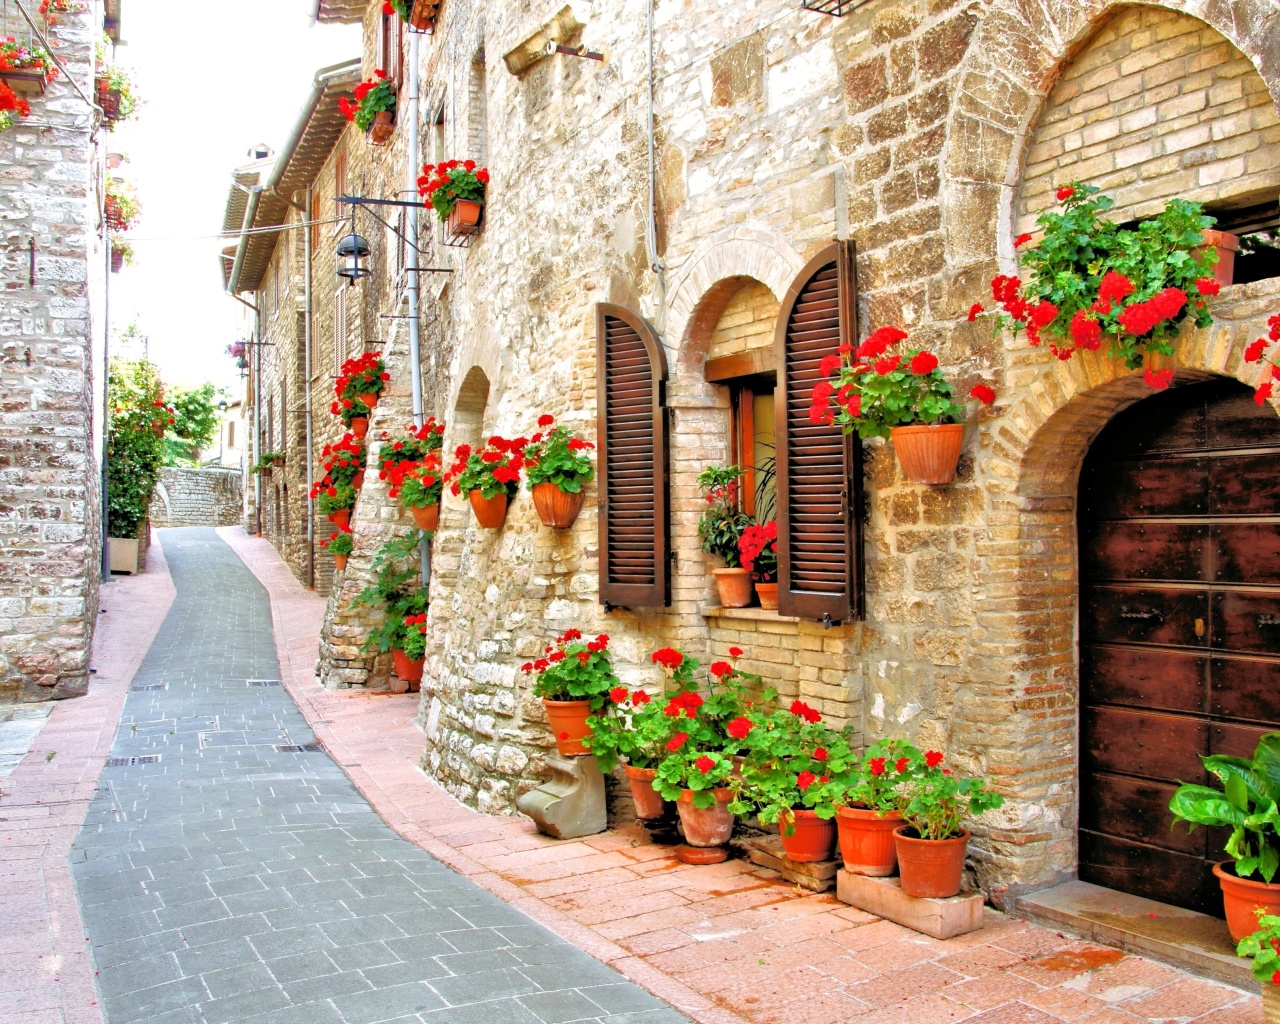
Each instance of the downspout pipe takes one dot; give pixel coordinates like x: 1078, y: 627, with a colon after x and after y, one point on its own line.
x: 415, y: 292
x: 256, y: 376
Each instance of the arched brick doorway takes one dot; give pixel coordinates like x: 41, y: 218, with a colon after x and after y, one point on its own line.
x: 1179, y: 541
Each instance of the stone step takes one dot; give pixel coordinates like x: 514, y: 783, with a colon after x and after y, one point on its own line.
x: 939, y: 918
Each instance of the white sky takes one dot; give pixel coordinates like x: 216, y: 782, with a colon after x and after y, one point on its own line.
x: 214, y: 79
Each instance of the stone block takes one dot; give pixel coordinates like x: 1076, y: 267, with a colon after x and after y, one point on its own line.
x: 768, y: 852
x: 940, y: 919
x: 571, y: 804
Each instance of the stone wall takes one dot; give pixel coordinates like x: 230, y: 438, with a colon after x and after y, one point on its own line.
x: 197, y: 497
x: 50, y: 384
x: 903, y: 126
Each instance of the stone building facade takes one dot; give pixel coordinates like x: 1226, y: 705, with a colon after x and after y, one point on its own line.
x: 52, y: 373
x: 927, y: 133
x: 197, y: 497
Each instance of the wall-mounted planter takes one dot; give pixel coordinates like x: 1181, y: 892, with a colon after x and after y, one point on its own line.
x: 426, y: 519
x: 556, y: 508
x: 463, y: 223
x: 1227, y: 245
x: 491, y: 513
x: 423, y: 14
x: 359, y: 425
x: 928, y: 452
x: 28, y: 80
x: 383, y: 127
x: 117, y: 260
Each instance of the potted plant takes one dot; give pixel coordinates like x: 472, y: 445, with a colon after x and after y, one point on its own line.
x: 121, y: 253
x: 1263, y: 946
x: 343, y: 464
x: 419, y: 15
x: 134, y: 457
x: 419, y: 486
x: 340, y: 544
x: 52, y: 8
x: 336, y: 501
x: 12, y: 107
x: 901, y: 396
x: 574, y: 678
x: 1246, y: 804
x: 1089, y: 279
x: 790, y: 756
x: 1256, y: 352
x: 113, y: 90
x: 932, y: 844
x: 720, y: 527
x: 413, y: 445
x: 557, y: 465
x: 490, y: 477
x: 361, y: 380
x: 374, y: 109
x: 632, y: 729
x: 866, y: 799
x: 395, y: 590
x: 758, y: 552
x: 24, y: 66
x: 411, y: 655
x: 455, y: 189
x: 267, y: 461
x: 120, y: 206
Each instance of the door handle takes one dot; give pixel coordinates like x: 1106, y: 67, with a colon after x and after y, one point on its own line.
x: 1199, y: 627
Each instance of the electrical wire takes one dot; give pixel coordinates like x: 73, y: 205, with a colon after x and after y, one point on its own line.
x: 230, y: 236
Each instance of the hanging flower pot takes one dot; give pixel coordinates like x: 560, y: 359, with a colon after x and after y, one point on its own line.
x: 369, y: 399
x: 649, y: 805
x: 734, y: 586
x: 426, y: 519
x: 359, y: 425
x: 117, y: 260
x: 341, y: 518
x: 706, y: 826
x: 408, y: 669
x: 930, y: 867
x: 768, y: 595
x: 555, y: 507
x: 867, y: 844
x: 383, y: 127
x: 357, y: 481
x: 491, y: 513
x: 1227, y: 245
x: 1241, y: 898
x: 568, y: 721
x: 812, y: 838
x: 422, y: 15
x: 340, y: 562
x: 465, y: 218
x: 928, y: 452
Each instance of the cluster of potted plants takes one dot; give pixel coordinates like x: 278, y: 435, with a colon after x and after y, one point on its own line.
x: 419, y: 15
x: 880, y: 391
x: 114, y: 93
x: 267, y: 462
x: 404, y: 602
x: 335, y: 492
x: 556, y: 463
x: 410, y: 463
x: 749, y: 549
x: 455, y: 189
x: 374, y: 108
x: 25, y: 66
x: 360, y: 382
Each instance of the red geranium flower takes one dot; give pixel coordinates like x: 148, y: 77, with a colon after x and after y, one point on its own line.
x: 1157, y: 380
x: 932, y: 758
x: 924, y: 362
x: 739, y: 727
x: 820, y: 754
x: 984, y: 393
x: 720, y: 668
x: 1065, y: 193
x: 974, y: 310
x: 804, y: 780
x: 876, y: 765
x: 618, y: 694
x: 704, y: 764
x: 1254, y: 352
x: 639, y: 698
x: 1208, y: 286
x: 668, y: 657
x: 902, y: 764
x: 677, y: 741
x: 735, y: 652
x: 1021, y: 240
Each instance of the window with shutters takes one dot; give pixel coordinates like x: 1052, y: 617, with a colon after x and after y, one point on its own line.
x: 819, y: 469
x: 390, y: 46
x: 632, y: 435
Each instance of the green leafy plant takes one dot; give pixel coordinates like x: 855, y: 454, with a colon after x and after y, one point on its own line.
x: 117, y: 80
x: 875, y: 781
x: 335, y: 498
x: 195, y: 424
x: 1264, y: 947
x: 372, y: 97
x: 395, y: 590
x: 340, y: 542
x: 135, y: 452
x: 870, y: 390
x: 629, y: 727
x: 490, y: 470
x: 699, y: 772
x: 1246, y: 804
x: 417, y: 484
x: 445, y: 183
x: 413, y: 445
x: 721, y: 524
x: 557, y: 457
x: 1090, y: 279
x: 935, y: 800
x: 267, y: 462
x: 575, y: 669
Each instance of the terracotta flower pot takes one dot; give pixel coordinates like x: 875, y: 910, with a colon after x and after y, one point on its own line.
x: 930, y: 867
x: 357, y: 481
x: 866, y: 840
x: 1270, y: 1003
x: 426, y: 518
x: 422, y: 16
x: 370, y: 399
x: 491, y: 513
x: 117, y: 260
x: 1227, y: 245
x: 359, y: 425
x: 340, y: 562
x: 408, y: 669
x: 384, y: 124
x: 649, y: 804
x: 556, y: 507
x: 734, y: 586
x: 568, y: 721
x: 1241, y: 897
x: 465, y: 218
x: 706, y: 826
x: 928, y: 452
x: 812, y: 840
x: 768, y: 594
x: 341, y: 518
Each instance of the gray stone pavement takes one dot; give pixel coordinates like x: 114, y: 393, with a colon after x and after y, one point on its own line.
x: 232, y: 880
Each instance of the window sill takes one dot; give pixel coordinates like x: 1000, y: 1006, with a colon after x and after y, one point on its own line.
x: 746, y: 614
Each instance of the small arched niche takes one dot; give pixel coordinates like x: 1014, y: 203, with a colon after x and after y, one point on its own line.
x: 467, y: 422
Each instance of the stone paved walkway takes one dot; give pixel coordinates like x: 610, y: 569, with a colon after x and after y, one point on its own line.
x: 728, y: 943
x: 227, y: 876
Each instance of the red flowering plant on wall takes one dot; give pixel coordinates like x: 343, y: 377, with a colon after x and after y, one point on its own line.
x: 341, y: 462
x: 12, y: 107
x: 575, y: 668
x: 18, y: 55
x: 1090, y: 280
x: 873, y: 388
x: 758, y: 549
x: 341, y: 542
x: 413, y: 638
x: 556, y: 455
x: 417, y: 484
x: 120, y: 205
x: 1257, y: 353
x: 490, y: 470
x: 412, y: 445
x: 372, y: 97
x: 443, y: 184
x: 362, y: 377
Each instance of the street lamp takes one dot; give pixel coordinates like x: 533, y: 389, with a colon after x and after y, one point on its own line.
x: 350, y: 251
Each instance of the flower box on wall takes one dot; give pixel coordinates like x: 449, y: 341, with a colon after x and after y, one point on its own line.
x: 28, y: 80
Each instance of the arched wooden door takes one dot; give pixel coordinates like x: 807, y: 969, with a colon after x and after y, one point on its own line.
x: 1179, y: 519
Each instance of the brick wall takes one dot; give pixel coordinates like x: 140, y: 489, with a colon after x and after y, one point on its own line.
x: 197, y: 497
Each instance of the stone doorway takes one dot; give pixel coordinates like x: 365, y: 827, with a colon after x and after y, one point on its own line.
x: 1179, y: 541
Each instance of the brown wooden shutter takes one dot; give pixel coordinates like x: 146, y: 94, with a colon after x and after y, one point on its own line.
x: 632, y: 461
x: 819, y: 468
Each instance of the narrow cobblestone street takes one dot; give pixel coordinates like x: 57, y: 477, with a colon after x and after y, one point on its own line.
x: 230, y: 873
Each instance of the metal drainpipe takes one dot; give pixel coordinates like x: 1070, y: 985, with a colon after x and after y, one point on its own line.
x: 306, y: 360
x: 415, y: 355
x: 106, y: 364
x: 651, y: 235
x: 257, y: 417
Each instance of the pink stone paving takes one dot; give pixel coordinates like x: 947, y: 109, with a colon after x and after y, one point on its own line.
x: 730, y: 942
x: 45, y: 972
